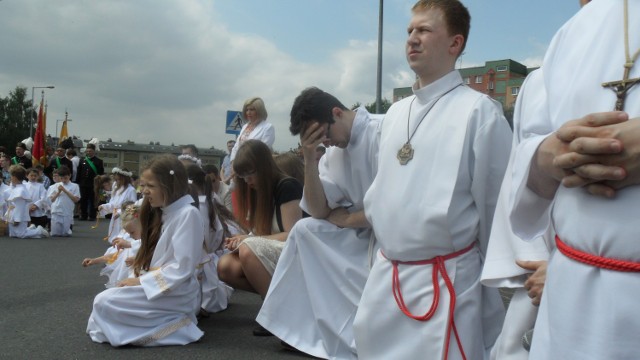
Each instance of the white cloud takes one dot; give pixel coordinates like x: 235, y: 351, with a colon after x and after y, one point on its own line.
x: 168, y: 71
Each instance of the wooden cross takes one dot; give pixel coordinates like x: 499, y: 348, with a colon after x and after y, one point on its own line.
x: 621, y: 87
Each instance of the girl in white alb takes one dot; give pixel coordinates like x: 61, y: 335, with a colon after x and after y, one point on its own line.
x: 123, y: 191
x: 157, y: 306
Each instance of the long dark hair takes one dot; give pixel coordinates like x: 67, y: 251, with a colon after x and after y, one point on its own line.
x: 171, y: 177
x: 257, y: 203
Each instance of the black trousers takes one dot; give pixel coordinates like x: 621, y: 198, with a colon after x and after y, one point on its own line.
x: 87, y: 203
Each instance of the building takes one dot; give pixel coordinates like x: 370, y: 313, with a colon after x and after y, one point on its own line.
x: 134, y: 156
x: 500, y: 79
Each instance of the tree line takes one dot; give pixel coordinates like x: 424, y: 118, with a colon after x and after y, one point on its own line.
x: 16, y: 111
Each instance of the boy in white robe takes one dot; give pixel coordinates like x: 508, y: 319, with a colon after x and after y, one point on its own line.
x: 588, y: 308
x: 38, y: 194
x: 445, y: 149
x: 18, y: 200
x: 63, y: 198
x: 317, y: 284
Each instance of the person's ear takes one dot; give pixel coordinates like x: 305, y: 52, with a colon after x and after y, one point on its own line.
x: 336, y: 112
x: 457, y: 41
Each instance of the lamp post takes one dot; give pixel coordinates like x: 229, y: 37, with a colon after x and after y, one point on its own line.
x: 33, y: 107
x: 379, y: 67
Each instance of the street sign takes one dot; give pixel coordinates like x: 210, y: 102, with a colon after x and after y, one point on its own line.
x: 234, y: 122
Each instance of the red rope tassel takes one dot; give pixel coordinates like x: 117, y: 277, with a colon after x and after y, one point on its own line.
x: 438, y: 269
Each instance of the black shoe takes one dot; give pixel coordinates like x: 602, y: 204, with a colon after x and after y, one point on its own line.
x: 292, y: 349
x: 92, y: 219
x: 83, y: 219
x: 288, y: 347
x: 260, y: 331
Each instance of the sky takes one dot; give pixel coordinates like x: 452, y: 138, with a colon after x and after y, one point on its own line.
x: 168, y: 70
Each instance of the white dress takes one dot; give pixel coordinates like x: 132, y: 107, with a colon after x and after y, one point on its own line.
x: 445, y: 202
x: 316, y: 287
x: 160, y: 311
x: 586, y: 312
x: 118, y: 197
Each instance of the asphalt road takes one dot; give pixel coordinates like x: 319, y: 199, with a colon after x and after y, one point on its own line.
x: 46, y: 298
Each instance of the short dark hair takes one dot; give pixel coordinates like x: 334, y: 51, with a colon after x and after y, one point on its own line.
x: 21, y: 145
x: 456, y: 16
x: 211, y: 169
x: 191, y: 147
x: 18, y: 171
x: 64, y: 171
x: 312, y: 104
x: 90, y: 146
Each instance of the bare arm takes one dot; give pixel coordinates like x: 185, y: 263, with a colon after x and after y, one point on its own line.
x: 291, y: 213
x: 314, y: 195
x: 342, y: 218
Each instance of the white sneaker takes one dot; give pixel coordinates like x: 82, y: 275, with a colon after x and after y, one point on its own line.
x: 32, y: 226
x: 70, y: 232
x: 43, y: 231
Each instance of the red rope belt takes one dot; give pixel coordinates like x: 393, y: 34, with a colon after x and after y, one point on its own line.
x: 595, y: 260
x: 438, y: 268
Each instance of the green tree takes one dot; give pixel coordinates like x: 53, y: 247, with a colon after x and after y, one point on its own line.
x: 15, y: 114
x: 371, y: 108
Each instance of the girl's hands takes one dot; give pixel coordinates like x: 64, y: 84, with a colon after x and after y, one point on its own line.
x: 121, y: 243
x: 233, y: 242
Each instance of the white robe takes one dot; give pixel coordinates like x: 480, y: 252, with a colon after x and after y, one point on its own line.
x: 317, y: 284
x: 160, y: 311
x: 500, y: 269
x: 62, y: 208
x: 440, y: 202
x: 215, y: 293
x: 38, y: 198
x: 3, y: 200
x: 118, y: 197
x: 17, y: 215
x: 586, y: 312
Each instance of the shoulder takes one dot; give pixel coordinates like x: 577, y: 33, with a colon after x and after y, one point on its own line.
x: 288, y: 189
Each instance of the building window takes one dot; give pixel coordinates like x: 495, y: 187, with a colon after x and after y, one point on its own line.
x: 501, y: 68
x: 467, y: 80
x: 515, y: 91
x: 490, y: 85
x: 478, y: 79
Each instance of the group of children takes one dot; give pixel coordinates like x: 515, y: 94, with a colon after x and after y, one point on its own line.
x: 28, y: 208
x: 168, y: 243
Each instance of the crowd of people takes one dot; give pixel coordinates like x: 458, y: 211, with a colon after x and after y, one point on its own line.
x: 387, y: 237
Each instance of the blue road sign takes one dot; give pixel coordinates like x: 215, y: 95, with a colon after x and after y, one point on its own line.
x: 234, y: 122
